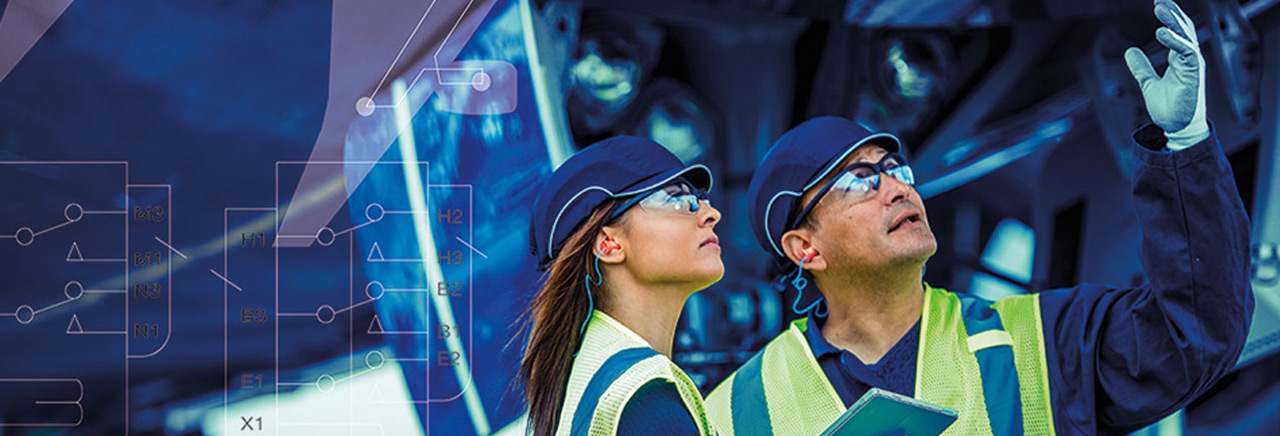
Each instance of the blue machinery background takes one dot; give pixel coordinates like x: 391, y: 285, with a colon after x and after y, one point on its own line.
x: 1016, y: 115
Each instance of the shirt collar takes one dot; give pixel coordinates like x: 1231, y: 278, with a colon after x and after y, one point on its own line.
x: 819, y: 345
x: 813, y: 334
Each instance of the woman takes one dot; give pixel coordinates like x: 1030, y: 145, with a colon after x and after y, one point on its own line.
x: 624, y: 231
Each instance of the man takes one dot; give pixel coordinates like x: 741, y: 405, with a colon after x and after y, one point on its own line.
x: 838, y: 202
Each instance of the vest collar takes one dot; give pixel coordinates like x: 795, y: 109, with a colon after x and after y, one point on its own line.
x: 819, y: 346
x: 601, y: 320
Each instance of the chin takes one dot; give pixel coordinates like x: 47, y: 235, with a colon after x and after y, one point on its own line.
x: 926, y: 251
x: 920, y: 250
x: 927, y: 241
x: 931, y: 245
x: 710, y: 276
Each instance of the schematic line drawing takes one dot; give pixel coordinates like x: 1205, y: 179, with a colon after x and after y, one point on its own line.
x: 112, y: 255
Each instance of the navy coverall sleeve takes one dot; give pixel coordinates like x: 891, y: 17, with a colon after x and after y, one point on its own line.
x: 1123, y: 358
x: 656, y: 408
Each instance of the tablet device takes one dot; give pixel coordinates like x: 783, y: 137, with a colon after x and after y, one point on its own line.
x: 884, y: 413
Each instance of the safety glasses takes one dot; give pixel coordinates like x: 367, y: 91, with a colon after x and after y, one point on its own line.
x: 860, y: 181
x: 677, y: 198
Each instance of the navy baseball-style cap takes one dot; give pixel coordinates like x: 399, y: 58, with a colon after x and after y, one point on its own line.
x: 794, y: 164
x: 620, y: 166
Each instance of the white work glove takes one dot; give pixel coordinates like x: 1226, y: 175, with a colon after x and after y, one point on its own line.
x: 1175, y: 101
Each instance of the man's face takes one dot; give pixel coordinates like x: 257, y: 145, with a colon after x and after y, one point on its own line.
x: 885, y: 230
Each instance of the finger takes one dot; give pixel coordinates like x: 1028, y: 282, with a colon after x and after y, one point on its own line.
x: 1172, y: 16
x: 1174, y: 42
x: 1166, y: 16
x: 1177, y: 12
x: 1139, y: 66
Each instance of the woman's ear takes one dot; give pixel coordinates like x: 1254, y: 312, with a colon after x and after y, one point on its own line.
x: 608, y: 247
x: 798, y: 246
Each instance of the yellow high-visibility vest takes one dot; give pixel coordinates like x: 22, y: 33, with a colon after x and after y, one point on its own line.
x: 613, y: 363
x: 982, y: 359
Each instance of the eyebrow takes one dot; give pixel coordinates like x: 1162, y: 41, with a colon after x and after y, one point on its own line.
x: 872, y: 156
x: 678, y: 187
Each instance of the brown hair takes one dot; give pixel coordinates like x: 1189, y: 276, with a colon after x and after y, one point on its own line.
x: 552, y: 322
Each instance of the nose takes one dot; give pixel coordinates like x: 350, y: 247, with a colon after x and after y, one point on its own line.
x: 893, y: 190
x: 708, y: 215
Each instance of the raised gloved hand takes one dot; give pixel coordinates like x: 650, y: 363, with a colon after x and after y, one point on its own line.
x: 1175, y: 101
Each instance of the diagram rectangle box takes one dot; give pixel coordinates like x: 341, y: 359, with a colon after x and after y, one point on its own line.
x: 149, y: 261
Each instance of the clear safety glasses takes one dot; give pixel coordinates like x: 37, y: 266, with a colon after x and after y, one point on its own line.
x: 678, y: 198
x: 860, y: 181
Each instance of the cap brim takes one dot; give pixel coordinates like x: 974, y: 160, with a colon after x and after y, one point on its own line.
x: 884, y: 140
x: 697, y: 174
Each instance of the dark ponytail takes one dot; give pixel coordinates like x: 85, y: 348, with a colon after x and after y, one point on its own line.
x: 552, y: 322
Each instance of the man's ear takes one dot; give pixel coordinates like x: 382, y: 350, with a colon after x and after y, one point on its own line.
x: 796, y: 243
x: 609, y: 247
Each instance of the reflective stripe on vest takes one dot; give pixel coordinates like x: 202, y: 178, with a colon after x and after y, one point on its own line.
x: 608, y: 373
x: 984, y: 360
x: 1021, y: 317
x: 797, y: 397
x: 751, y: 414
x: 612, y: 365
x: 992, y: 346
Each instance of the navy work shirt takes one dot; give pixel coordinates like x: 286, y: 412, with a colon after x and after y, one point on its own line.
x: 1120, y: 359
x: 656, y: 408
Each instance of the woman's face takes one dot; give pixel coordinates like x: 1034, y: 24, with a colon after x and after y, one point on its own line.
x: 669, y: 239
